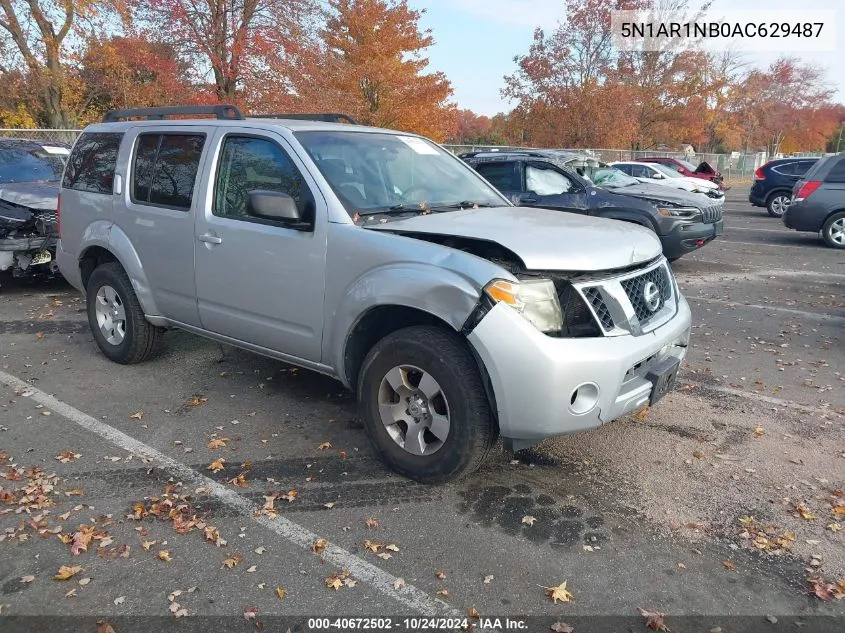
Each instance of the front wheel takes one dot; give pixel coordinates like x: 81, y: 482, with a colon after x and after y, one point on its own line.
x: 424, y: 405
x: 116, y: 317
x: 778, y: 203
x: 833, y: 230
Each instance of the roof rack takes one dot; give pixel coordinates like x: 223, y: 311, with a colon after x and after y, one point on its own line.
x: 220, y: 111
x: 327, y: 117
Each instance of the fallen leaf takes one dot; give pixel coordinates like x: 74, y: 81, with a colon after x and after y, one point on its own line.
x: 488, y: 579
x: 440, y: 575
x: 67, y: 456
x: 324, y: 446
x: 472, y: 612
x: 319, y: 545
x: 443, y: 593
x: 164, y: 555
x: 259, y: 550
x: 218, y: 442
x: 805, y: 512
x: 217, y: 465
x: 104, y: 627
x: 653, y: 619
x: 399, y: 583
x: 137, y: 415
x: 838, y: 510
x: 728, y: 564
x: 123, y: 551
x: 120, y: 600
x: 147, y: 545
x: 758, y: 431
x: 391, y: 547
x: 560, y: 592
x: 372, y: 545
x: 65, y: 572
x: 240, y: 481
x: 371, y: 523
x: 251, y: 569
x: 339, y: 579
x: 71, y: 593
x: 834, y: 527
x: 281, y: 593
x: 529, y: 520
x: 384, y: 555
x: 641, y: 415
x: 27, y: 578
x: 330, y: 504
x: 196, y: 400
x: 234, y: 560
x: 84, y: 581
x: 81, y: 539
x: 562, y: 627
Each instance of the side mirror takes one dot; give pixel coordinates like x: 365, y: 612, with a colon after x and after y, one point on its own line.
x: 658, y: 176
x: 273, y: 205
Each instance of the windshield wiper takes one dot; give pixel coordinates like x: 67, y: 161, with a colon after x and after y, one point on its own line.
x: 466, y: 204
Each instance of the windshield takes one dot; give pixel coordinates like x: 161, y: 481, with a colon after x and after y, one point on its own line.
x: 30, y: 163
x: 372, y: 172
x: 611, y: 178
x: 687, y: 164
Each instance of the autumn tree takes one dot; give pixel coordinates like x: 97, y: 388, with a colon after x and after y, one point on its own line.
x: 376, y: 67
x: 39, y: 35
x: 237, y: 43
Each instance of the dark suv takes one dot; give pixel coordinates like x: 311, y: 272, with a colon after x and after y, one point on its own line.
x: 818, y: 202
x: 773, y: 183
x: 550, y: 179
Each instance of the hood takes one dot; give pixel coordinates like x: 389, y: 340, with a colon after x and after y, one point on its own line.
x: 662, y: 193
x: 541, y: 238
x: 41, y: 196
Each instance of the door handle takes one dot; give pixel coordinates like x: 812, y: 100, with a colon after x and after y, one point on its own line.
x: 208, y: 238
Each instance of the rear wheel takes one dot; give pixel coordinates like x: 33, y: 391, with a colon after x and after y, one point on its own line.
x: 424, y: 405
x: 116, y: 317
x: 778, y: 203
x: 833, y: 230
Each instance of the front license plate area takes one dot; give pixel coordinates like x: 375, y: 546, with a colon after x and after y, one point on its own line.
x: 662, y: 377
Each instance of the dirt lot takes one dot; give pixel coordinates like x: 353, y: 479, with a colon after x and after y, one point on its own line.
x: 716, y: 506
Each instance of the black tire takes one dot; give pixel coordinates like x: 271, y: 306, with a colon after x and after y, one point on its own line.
x: 839, y: 216
x: 141, y: 338
x: 774, y: 203
x: 445, y: 356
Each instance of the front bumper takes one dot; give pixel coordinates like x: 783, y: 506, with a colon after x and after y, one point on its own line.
x: 686, y: 238
x: 534, y: 376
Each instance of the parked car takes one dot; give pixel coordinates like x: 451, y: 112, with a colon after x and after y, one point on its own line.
x: 704, y: 170
x: 658, y: 174
x: 684, y: 222
x: 774, y: 181
x: 30, y: 172
x: 818, y: 202
x: 375, y: 257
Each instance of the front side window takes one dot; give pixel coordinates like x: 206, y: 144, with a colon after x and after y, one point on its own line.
x: 165, y: 169
x: 546, y: 182
x: 372, y: 172
x: 92, y: 163
x: 254, y: 164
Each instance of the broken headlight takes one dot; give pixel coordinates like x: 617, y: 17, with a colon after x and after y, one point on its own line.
x: 536, y: 300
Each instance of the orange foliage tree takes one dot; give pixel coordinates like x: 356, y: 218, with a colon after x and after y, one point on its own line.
x: 376, y: 68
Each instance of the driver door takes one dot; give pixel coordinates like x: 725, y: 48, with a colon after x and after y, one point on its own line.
x: 550, y: 187
x: 258, y: 280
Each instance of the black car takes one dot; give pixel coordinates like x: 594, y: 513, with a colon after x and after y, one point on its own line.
x: 818, y: 204
x: 557, y: 180
x: 773, y: 183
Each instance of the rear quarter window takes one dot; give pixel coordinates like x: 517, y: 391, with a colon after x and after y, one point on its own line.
x: 837, y: 172
x: 92, y: 162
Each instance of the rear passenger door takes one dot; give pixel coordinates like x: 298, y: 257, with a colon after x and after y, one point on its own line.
x: 158, y: 211
x: 259, y: 280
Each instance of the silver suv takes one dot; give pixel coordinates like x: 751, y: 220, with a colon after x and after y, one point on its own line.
x: 375, y: 257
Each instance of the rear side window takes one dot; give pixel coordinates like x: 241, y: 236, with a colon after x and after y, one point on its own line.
x: 503, y: 176
x: 837, y: 172
x: 802, y: 166
x: 164, y: 169
x: 785, y: 169
x: 92, y: 162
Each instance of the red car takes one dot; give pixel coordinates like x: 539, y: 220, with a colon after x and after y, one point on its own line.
x: 704, y: 170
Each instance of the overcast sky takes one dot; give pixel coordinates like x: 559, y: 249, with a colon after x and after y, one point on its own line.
x: 476, y: 41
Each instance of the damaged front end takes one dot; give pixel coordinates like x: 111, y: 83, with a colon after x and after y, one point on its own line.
x: 27, y: 240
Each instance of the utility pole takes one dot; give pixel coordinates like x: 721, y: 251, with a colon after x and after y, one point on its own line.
x: 839, y: 140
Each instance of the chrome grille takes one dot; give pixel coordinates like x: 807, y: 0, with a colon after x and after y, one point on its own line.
x: 635, y: 289
x: 593, y: 295
x: 712, y: 213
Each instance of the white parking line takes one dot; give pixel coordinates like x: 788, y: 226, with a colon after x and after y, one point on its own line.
x: 782, y: 231
x: 801, y: 313
x: 294, y: 533
x: 780, y: 402
x: 770, y: 244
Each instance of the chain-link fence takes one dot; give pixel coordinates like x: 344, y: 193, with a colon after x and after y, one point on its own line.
x: 734, y: 166
x: 42, y: 136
